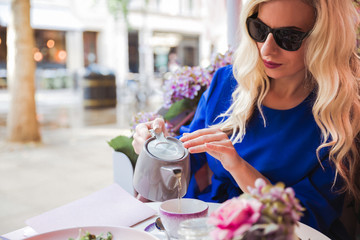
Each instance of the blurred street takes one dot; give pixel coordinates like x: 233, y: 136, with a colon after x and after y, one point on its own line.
x: 81, y: 47
x: 73, y: 159
x: 82, y: 50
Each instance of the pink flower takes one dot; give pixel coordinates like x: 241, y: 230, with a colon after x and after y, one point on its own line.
x: 267, y: 211
x: 234, y: 217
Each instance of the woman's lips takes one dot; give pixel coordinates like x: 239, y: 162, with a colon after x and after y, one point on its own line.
x: 271, y: 65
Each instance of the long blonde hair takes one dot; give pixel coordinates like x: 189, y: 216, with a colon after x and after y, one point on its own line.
x: 334, y: 69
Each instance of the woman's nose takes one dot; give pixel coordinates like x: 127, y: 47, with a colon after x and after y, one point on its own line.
x: 269, y: 46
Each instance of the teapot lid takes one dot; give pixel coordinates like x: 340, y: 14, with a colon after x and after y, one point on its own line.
x: 170, y: 149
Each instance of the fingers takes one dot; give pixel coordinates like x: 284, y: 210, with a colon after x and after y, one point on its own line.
x: 138, y: 143
x: 214, y: 142
x: 221, y: 147
x: 142, y: 130
x: 199, y: 138
x: 198, y: 133
x: 226, y: 154
x: 158, y: 125
x: 215, y: 147
x: 142, y: 133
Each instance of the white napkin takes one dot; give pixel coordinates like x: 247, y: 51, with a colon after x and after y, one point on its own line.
x: 111, y: 206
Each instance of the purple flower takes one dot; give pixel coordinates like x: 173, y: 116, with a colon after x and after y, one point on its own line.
x: 142, y: 117
x: 191, y: 82
x: 186, y: 82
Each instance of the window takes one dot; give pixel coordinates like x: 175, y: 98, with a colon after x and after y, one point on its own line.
x: 3, y: 49
x: 90, y: 52
x: 50, y: 49
x: 133, y: 41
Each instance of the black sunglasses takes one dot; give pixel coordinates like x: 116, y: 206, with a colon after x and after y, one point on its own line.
x: 286, y: 38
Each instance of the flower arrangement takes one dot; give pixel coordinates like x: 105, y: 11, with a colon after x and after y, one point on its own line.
x: 182, y: 92
x: 190, y: 82
x: 186, y: 82
x: 266, y: 212
x: 143, y: 117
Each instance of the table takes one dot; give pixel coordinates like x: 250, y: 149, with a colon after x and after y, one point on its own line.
x: 303, y: 231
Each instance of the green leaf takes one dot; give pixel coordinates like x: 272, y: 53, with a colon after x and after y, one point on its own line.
x: 124, y: 144
x: 179, y: 107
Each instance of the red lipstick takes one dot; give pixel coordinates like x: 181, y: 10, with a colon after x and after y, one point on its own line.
x: 271, y: 65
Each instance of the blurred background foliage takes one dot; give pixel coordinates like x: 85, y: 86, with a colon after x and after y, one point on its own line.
x: 117, y: 7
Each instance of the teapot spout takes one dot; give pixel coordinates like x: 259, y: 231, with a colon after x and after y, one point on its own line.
x: 177, y: 172
x: 171, y: 176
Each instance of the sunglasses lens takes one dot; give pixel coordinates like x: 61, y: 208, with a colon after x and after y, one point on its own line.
x: 289, y: 40
x: 257, y: 30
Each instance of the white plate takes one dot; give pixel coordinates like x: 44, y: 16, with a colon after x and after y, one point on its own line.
x: 305, y: 232
x: 119, y: 233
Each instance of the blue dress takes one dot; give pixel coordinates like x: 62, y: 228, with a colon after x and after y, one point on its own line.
x: 284, y: 150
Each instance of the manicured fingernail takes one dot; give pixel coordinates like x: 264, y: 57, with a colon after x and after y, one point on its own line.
x: 184, y: 135
x: 157, y: 129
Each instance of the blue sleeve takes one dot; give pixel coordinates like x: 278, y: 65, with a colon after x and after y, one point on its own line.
x: 197, y: 160
x: 323, y: 204
x: 198, y: 122
x: 214, y: 101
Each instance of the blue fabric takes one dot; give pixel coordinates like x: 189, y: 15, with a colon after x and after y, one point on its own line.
x: 284, y: 150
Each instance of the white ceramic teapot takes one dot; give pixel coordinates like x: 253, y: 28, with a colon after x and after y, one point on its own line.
x: 162, y: 170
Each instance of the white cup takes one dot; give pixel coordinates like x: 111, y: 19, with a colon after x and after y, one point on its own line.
x: 172, y: 213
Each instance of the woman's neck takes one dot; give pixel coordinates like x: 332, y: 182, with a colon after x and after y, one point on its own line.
x: 286, y: 94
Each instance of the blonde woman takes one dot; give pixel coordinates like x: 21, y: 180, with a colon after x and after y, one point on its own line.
x: 287, y: 110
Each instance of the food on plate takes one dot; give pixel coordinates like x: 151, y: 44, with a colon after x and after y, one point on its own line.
x: 89, y: 236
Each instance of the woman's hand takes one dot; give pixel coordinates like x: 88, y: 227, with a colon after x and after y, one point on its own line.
x: 142, y: 133
x: 216, y: 143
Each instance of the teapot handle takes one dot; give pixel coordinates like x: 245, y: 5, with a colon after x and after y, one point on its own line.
x: 171, y: 176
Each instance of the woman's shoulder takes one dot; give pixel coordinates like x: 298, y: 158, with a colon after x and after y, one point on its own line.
x: 221, y: 88
x: 224, y: 72
x: 223, y: 78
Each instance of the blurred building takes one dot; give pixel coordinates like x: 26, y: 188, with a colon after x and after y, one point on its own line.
x: 160, y: 36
